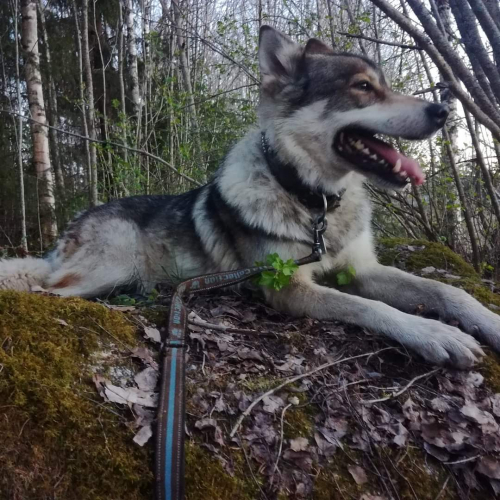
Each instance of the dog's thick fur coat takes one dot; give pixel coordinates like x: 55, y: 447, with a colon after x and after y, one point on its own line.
x: 309, y: 96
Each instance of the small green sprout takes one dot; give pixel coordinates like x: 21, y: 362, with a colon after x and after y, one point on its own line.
x: 346, y: 276
x: 280, y: 277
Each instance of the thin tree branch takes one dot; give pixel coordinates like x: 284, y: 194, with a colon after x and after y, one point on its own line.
x: 291, y: 380
x: 106, y: 143
x: 383, y: 42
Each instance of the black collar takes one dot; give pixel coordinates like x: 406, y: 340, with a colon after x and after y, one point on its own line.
x: 287, y: 176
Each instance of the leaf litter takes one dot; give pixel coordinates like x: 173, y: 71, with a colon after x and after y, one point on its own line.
x: 298, y: 436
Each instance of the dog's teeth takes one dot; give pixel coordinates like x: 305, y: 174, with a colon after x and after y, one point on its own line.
x: 340, y: 148
x: 397, y: 167
x: 374, y: 157
x: 359, y: 145
x: 403, y: 174
x: 366, y: 151
x: 382, y: 162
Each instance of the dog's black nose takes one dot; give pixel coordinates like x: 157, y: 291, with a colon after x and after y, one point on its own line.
x: 438, y: 113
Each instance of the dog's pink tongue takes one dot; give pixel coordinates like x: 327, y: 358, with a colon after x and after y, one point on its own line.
x: 386, y: 151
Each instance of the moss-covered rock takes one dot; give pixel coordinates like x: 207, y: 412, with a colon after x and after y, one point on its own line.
x: 415, y: 255
x: 421, y: 254
x: 58, y: 439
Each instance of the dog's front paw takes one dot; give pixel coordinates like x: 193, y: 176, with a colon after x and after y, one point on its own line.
x: 482, y: 323
x: 441, y: 344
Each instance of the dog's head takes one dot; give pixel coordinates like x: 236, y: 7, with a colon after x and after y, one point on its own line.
x: 323, y: 110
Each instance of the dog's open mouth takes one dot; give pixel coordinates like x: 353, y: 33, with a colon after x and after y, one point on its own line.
x: 375, y: 156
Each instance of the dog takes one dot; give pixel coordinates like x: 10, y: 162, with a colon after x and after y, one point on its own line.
x: 318, y: 116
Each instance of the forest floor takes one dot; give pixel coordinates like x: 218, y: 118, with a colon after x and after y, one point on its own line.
x: 363, y: 419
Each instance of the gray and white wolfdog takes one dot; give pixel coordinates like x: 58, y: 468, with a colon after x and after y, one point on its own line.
x: 319, y: 113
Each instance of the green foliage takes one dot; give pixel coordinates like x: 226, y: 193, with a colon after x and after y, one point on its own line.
x: 279, y: 278
x: 345, y: 276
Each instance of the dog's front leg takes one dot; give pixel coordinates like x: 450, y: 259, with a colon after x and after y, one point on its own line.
x: 410, y: 293
x: 435, y: 341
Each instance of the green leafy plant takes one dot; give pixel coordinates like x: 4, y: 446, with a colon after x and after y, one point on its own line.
x: 345, y: 276
x: 279, y: 278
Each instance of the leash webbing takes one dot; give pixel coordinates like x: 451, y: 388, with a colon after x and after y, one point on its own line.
x: 169, y: 454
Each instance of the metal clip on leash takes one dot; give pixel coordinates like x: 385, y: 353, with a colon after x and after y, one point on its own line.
x: 319, y: 227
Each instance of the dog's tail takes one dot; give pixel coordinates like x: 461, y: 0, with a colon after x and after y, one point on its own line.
x: 23, y: 274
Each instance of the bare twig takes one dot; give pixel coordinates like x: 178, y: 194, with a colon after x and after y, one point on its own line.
x: 463, y: 460
x: 383, y: 42
x: 443, y: 488
x: 291, y: 380
x: 281, y: 440
x: 226, y: 329
x: 404, y: 389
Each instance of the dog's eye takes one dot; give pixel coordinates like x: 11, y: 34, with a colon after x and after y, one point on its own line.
x: 366, y: 86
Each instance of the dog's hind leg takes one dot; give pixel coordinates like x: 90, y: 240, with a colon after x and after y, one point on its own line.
x: 435, y: 341
x: 104, y: 257
x: 75, y: 281
x: 23, y: 274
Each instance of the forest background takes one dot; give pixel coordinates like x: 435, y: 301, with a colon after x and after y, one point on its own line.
x: 101, y: 99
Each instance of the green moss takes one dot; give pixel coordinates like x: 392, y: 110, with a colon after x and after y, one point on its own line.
x: 490, y: 370
x: 413, y: 474
x: 157, y: 315
x: 421, y: 476
x: 207, y: 480
x: 434, y: 254
x: 298, y: 422
x: 335, y: 481
x: 481, y: 292
x: 259, y: 384
x: 58, y: 439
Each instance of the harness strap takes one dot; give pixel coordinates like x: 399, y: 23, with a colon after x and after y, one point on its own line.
x: 170, y: 432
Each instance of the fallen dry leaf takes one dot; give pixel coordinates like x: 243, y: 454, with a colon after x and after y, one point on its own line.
x: 299, y: 444
x: 130, y: 395
x: 272, y: 403
x: 489, y: 467
x: 146, y: 355
x: 147, y: 379
x: 152, y: 334
x: 143, y: 436
x: 358, y: 474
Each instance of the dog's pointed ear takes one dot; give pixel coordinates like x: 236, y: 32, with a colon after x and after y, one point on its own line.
x: 279, y: 57
x: 315, y: 46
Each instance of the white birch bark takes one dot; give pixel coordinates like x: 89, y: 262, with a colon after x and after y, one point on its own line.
x: 41, y: 155
x: 22, y: 204
x: 89, y: 94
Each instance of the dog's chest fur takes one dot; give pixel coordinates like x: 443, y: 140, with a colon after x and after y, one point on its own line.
x: 266, y: 219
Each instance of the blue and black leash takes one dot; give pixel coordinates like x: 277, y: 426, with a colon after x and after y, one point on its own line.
x: 169, y: 455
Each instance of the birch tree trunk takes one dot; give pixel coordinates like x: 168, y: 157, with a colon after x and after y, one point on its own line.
x: 41, y: 155
x: 121, y: 63
x: 132, y: 65
x: 52, y: 111
x: 89, y: 93
x: 24, y: 238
